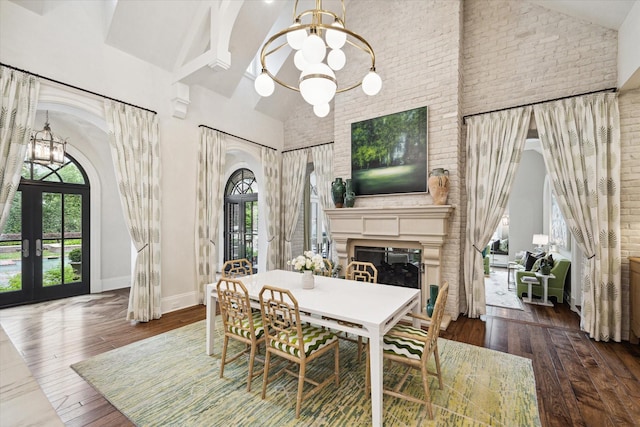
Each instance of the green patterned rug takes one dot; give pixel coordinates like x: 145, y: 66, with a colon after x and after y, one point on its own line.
x: 168, y: 380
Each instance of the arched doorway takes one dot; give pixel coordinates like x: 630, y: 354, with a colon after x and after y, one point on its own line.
x: 44, y: 246
x: 241, y: 217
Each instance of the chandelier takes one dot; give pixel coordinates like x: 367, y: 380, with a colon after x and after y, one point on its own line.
x: 317, y: 83
x: 45, y: 148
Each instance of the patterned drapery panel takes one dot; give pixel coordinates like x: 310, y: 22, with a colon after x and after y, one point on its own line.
x: 323, y: 165
x: 19, y: 98
x: 209, y: 201
x: 294, y: 168
x: 494, y: 147
x: 271, y: 172
x: 581, y: 147
x: 133, y: 138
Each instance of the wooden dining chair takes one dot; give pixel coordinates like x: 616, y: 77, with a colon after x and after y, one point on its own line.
x: 240, y: 323
x: 362, y: 271
x: 413, y: 347
x: 288, y: 337
x: 328, y: 268
x: 237, y: 268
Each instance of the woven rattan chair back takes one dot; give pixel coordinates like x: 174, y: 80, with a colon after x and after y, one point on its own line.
x: 237, y: 268
x: 362, y: 271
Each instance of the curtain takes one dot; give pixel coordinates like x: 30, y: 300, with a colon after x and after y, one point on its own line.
x: 581, y: 147
x: 19, y: 98
x: 133, y: 138
x: 209, y: 202
x: 494, y: 146
x: 322, y: 156
x: 294, y: 168
x: 271, y: 172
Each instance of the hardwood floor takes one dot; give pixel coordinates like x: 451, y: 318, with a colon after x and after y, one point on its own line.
x: 579, y: 381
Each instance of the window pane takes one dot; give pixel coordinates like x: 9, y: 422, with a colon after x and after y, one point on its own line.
x: 10, y: 248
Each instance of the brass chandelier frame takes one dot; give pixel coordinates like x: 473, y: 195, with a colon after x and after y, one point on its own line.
x: 316, y: 26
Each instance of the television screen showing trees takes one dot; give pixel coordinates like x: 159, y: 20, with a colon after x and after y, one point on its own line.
x: 389, y: 153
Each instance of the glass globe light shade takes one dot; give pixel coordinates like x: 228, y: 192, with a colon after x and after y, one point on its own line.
x: 314, y: 49
x: 295, y: 39
x: 336, y: 39
x: 372, y: 83
x: 264, y: 84
x: 336, y: 59
x: 299, y: 61
x: 321, y: 110
x: 321, y: 87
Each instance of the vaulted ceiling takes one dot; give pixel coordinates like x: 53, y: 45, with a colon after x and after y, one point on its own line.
x: 215, y: 43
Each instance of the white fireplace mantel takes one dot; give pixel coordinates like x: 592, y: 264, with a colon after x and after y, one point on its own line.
x: 419, y: 227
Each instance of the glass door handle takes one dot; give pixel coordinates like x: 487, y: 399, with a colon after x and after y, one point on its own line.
x: 25, y: 248
x: 38, y: 247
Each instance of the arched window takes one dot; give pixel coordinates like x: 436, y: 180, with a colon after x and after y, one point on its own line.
x: 241, y: 217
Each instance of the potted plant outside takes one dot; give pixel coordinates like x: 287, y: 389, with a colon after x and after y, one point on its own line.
x: 75, y: 260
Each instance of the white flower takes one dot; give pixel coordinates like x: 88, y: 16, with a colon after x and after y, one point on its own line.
x: 307, y: 261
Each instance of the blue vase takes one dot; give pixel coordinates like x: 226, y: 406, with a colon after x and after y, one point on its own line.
x: 433, y: 295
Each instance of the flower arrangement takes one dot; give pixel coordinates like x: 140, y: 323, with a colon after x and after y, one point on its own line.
x: 307, y: 261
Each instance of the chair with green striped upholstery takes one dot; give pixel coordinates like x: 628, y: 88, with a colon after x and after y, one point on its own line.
x: 239, y: 323
x: 288, y: 337
x: 413, y: 347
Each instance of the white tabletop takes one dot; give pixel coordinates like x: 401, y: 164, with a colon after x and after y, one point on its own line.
x: 348, y: 300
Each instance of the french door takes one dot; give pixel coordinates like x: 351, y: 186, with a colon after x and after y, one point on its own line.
x: 51, y: 253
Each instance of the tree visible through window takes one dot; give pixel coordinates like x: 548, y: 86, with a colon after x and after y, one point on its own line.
x: 241, y: 217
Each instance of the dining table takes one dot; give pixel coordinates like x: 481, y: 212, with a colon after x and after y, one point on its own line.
x: 338, y: 304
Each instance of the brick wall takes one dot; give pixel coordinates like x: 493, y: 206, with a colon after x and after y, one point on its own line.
x: 419, y: 64
x: 516, y: 52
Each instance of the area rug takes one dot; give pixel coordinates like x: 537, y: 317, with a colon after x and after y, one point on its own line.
x: 497, y: 292
x: 168, y: 380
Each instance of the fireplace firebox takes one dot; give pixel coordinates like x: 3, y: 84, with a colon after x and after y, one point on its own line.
x: 396, y: 266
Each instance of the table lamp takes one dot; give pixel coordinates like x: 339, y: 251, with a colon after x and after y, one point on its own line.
x: 540, y: 240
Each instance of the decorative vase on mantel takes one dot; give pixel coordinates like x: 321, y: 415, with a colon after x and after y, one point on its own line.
x: 337, y: 192
x: 308, y: 280
x: 433, y: 295
x: 439, y: 185
x: 349, y: 195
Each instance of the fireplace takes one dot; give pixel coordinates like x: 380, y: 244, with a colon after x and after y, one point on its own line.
x: 396, y: 266
x: 420, y: 230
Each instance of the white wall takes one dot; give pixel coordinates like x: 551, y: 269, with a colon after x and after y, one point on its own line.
x: 628, y: 51
x: 66, y: 44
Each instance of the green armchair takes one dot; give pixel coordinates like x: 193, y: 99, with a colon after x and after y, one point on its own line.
x: 556, y: 286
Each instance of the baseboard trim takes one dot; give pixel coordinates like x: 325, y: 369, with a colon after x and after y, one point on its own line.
x: 180, y: 301
x: 116, y: 283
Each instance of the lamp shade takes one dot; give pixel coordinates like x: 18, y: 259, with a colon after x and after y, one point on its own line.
x: 540, y: 239
x: 264, y: 84
x: 321, y: 110
x: 372, y: 83
x: 318, y: 84
x: 295, y: 39
x: 314, y: 49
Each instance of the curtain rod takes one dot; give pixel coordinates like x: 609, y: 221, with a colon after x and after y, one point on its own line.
x: 239, y: 137
x: 611, y: 89
x: 75, y: 87
x: 311, y: 146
